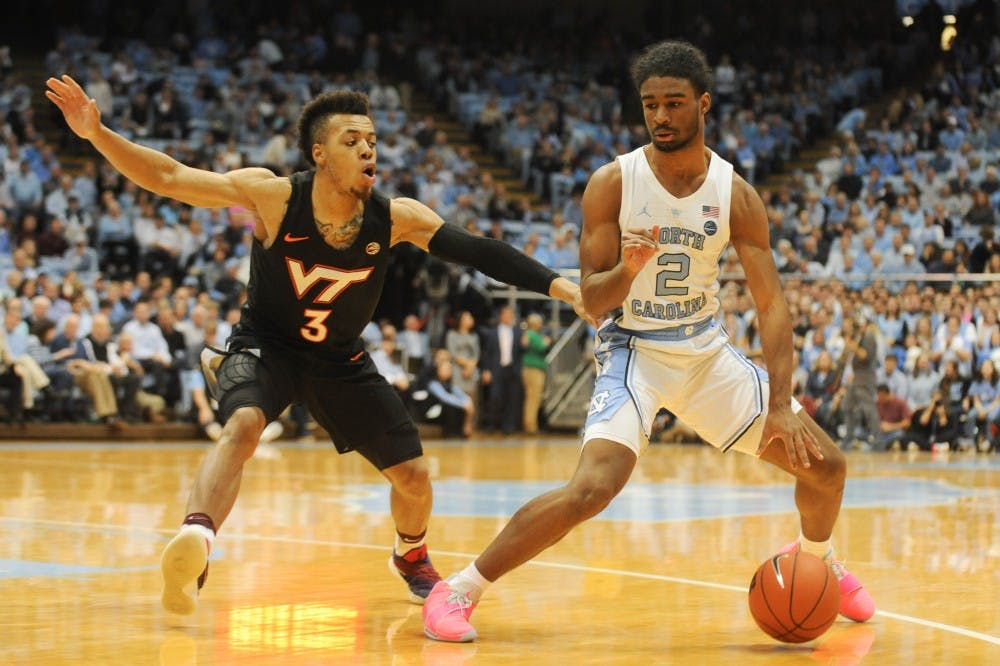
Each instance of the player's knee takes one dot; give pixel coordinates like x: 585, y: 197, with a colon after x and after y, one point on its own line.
x: 242, y: 431
x: 835, y: 464
x: 590, y: 496
x: 831, y: 472
x: 411, y: 478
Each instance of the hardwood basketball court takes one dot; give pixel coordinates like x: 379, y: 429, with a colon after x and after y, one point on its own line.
x: 300, y: 575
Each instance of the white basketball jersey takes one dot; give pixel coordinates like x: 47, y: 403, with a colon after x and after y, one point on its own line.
x: 679, y: 285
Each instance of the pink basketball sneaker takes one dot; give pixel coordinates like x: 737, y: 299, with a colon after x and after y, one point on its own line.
x: 855, y: 602
x: 446, y: 615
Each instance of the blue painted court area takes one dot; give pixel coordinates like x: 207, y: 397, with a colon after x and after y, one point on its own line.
x: 662, y: 501
x: 29, y: 569
x: 34, y: 569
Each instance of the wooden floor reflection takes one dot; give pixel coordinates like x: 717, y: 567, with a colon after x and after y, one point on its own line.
x: 300, y: 577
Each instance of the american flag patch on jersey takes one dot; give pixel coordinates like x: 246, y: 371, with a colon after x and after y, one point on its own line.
x: 710, y: 211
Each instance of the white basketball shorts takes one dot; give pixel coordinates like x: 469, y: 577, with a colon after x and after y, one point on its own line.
x: 692, y: 371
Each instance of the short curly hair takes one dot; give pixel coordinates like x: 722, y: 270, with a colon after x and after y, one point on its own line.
x: 315, y: 116
x: 678, y: 59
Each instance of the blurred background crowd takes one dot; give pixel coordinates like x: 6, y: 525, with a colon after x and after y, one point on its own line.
x: 872, y: 132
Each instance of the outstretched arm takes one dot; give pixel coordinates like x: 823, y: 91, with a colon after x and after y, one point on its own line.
x: 413, y: 222
x: 749, y: 235
x: 257, y: 189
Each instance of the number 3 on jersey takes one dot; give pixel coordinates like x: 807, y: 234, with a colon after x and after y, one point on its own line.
x: 315, y: 330
x: 679, y: 267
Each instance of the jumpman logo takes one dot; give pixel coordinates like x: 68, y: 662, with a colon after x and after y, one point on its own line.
x: 644, y: 211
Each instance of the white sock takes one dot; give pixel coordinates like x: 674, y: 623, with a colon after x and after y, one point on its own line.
x: 204, y: 531
x: 403, y: 547
x: 469, y: 581
x: 821, y: 549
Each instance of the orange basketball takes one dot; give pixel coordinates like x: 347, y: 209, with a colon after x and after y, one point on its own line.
x: 794, y: 597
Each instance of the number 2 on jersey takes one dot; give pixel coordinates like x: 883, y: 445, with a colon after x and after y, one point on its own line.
x: 680, y: 266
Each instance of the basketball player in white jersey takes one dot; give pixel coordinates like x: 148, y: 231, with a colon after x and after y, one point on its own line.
x: 656, y: 222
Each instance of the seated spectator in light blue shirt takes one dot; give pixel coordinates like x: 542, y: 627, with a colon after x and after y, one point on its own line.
x: 520, y: 135
x: 383, y: 358
x: 912, y: 215
x: 839, y: 211
x: 113, y: 225
x: 884, y: 160
x: 442, y: 388
x: 539, y: 251
x: 874, y: 183
x: 923, y: 381
x: 455, y: 412
x: 746, y: 158
x: 909, y: 265
x: 881, y: 235
x: 565, y: 250
x: 85, y: 185
x: 15, y: 327
x: 863, y: 257
x: 25, y: 187
x: 908, y: 157
x: 928, y: 232
x: 853, y: 277
x: 6, y: 245
x: 941, y: 162
x: 81, y: 258
x: 952, y: 135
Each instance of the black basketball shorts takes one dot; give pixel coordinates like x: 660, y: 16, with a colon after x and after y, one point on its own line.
x: 359, y: 409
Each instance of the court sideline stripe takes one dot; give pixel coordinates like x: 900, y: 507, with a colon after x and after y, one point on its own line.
x: 968, y: 633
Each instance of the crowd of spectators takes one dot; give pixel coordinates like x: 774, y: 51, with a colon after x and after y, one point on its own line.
x: 111, y: 291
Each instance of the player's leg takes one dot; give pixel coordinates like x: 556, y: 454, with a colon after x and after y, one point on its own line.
x: 603, y: 470
x: 392, y: 445
x: 736, y: 387
x: 819, y: 490
x: 184, y: 563
x: 615, y: 435
x: 248, y: 396
x: 410, y: 500
x: 217, y: 482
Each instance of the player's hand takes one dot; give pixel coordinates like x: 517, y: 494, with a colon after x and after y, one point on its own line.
x: 782, y: 424
x: 638, y: 247
x: 80, y: 111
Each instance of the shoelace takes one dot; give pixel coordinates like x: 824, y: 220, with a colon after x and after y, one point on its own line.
x: 459, y: 600
x: 838, y: 568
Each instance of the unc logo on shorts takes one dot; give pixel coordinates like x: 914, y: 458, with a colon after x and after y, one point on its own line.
x: 599, y: 402
x: 711, y: 227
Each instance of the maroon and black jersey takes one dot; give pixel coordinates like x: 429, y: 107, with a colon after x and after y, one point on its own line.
x: 307, y: 296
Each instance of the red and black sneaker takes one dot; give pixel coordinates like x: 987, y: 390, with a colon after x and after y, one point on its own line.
x: 416, y: 569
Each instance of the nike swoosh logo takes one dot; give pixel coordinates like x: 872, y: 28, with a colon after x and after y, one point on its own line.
x: 289, y: 238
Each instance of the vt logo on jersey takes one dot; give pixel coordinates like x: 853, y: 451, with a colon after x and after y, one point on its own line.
x: 336, y: 280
